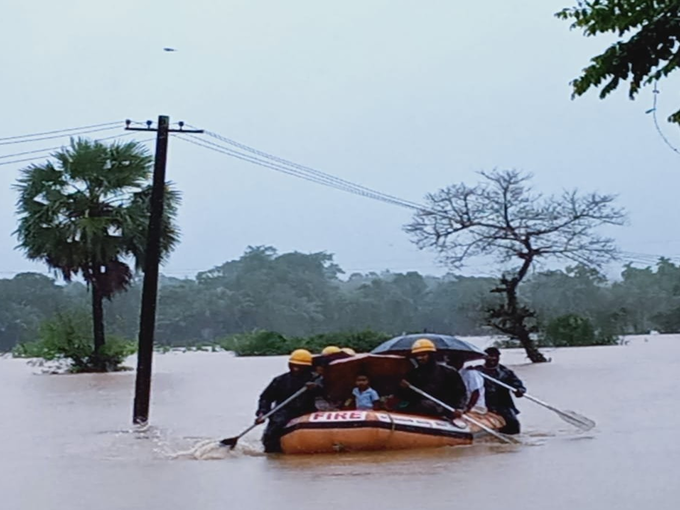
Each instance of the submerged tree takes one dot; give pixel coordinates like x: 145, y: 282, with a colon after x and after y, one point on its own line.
x: 502, y: 217
x: 87, y: 214
x: 647, y: 50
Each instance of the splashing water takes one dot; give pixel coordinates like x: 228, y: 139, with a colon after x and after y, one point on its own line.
x: 211, y: 449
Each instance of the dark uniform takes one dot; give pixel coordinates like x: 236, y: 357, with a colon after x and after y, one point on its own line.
x: 279, y: 390
x: 499, y: 400
x: 442, y: 382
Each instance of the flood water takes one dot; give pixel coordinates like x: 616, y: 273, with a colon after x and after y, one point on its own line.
x: 66, y: 442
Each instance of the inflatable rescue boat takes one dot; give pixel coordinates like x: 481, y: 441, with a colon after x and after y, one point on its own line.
x: 340, y: 431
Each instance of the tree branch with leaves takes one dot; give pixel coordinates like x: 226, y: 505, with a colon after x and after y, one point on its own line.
x: 647, y: 49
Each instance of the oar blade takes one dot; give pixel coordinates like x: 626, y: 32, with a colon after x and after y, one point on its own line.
x: 504, y: 437
x: 491, y: 432
x: 577, y: 420
x: 230, y: 442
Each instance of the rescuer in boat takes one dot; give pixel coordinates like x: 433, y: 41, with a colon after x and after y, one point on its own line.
x: 440, y: 381
x: 498, y: 399
x: 320, y: 362
x: 299, y: 374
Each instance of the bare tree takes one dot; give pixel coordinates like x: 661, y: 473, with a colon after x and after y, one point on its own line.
x: 504, y: 218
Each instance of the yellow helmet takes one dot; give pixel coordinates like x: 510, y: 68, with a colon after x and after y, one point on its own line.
x: 331, y: 349
x: 301, y: 357
x: 423, y: 345
x: 349, y: 350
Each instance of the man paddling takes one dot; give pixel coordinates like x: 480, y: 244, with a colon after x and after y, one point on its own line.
x: 436, y: 379
x: 299, y: 375
x: 498, y: 399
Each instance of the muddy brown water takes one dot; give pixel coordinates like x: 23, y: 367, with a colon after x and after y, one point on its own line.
x: 66, y: 442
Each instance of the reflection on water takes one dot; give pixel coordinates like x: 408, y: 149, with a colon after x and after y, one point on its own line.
x: 66, y: 442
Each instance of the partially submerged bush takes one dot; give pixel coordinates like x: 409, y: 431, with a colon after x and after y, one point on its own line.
x: 68, y: 336
x: 256, y: 343
x: 270, y: 343
x: 573, y: 330
x: 360, y: 341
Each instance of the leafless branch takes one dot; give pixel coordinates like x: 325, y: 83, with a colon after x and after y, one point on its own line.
x: 502, y: 217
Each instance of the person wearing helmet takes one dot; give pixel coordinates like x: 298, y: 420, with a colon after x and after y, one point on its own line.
x: 330, y: 350
x: 299, y: 374
x: 349, y: 351
x: 498, y: 399
x: 328, y: 354
x: 321, y: 401
x: 440, y: 381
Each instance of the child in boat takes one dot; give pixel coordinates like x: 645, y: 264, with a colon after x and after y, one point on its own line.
x: 365, y: 397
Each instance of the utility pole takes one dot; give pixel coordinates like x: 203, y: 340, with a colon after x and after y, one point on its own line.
x: 147, y: 320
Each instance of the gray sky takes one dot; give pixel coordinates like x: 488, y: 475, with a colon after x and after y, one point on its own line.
x: 401, y: 96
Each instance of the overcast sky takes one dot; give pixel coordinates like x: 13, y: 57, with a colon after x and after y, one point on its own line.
x: 401, y: 96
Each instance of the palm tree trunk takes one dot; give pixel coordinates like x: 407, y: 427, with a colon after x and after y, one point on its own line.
x: 97, y: 323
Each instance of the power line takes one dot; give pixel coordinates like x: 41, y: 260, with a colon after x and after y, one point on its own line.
x: 316, y: 177
x: 648, y: 259
x: 325, y: 179
x: 656, y: 120
x: 36, y: 151
x: 308, y: 169
x: 270, y: 161
x: 63, y: 135
x: 33, y: 135
x: 50, y: 149
x: 25, y: 160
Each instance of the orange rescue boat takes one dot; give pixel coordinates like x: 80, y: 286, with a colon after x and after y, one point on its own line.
x: 351, y: 431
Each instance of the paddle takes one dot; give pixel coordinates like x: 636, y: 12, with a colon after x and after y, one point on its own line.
x: 571, y: 417
x: 231, y: 441
x: 498, y: 435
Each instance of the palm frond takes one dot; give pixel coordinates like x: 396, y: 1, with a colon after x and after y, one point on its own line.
x: 88, y: 209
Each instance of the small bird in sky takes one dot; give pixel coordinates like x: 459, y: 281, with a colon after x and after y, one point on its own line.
x: 169, y: 49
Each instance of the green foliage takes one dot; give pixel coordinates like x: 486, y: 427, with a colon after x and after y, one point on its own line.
x: 86, y: 211
x: 34, y: 349
x: 572, y: 331
x: 256, y: 343
x: 195, y: 313
x: 667, y: 321
x: 646, y: 50
x: 69, y: 336
x: 25, y: 300
x: 360, y: 341
x: 269, y: 343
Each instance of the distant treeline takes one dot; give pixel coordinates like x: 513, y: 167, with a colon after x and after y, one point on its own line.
x: 299, y: 294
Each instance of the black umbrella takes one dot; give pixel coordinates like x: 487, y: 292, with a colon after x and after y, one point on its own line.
x: 445, y: 344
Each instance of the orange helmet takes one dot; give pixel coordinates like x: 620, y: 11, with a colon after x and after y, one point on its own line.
x: 301, y: 357
x: 423, y: 345
x: 331, y: 349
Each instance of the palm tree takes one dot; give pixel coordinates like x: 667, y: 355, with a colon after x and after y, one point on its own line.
x: 86, y: 213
